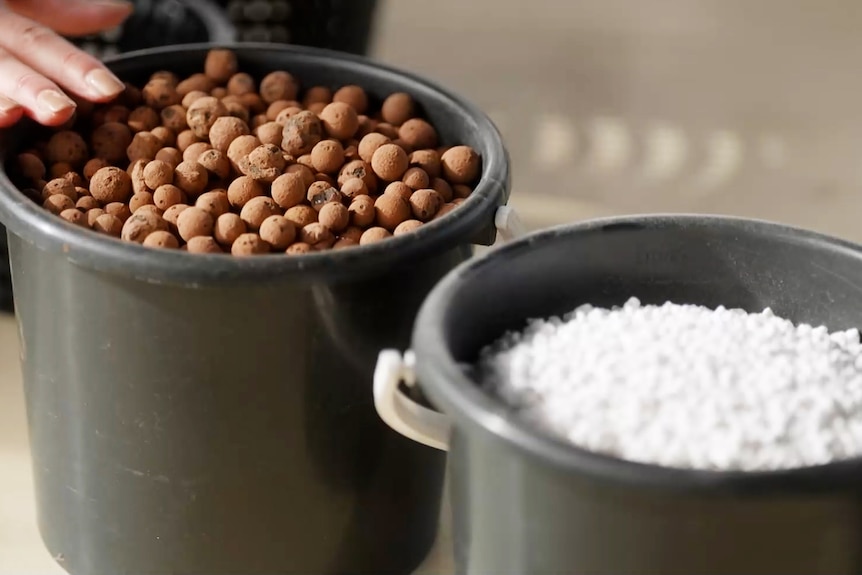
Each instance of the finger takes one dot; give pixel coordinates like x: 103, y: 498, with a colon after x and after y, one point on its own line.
x: 41, y: 98
x: 56, y: 58
x: 10, y: 112
x: 74, y: 17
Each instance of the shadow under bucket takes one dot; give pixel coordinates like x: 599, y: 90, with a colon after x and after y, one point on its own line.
x: 526, y: 503
x: 195, y: 414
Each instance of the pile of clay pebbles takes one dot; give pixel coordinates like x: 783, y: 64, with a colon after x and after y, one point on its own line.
x: 685, y: 386
x: 221, y: 162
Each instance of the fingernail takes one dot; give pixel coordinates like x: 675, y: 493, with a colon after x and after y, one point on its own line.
x: 54, y: 101
x: 124, y: 4
x: 105, y: 83
x: 7, y: 105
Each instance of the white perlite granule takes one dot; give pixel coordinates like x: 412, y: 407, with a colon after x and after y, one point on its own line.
x: 685, y: 386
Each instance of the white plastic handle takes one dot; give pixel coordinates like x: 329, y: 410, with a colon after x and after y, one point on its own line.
x: 509, y: 224
x: 398, y: 411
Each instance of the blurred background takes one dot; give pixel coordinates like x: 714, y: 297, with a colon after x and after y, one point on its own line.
x: 744, y: 107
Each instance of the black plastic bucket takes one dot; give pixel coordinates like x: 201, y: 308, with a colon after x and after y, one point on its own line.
x: 196, y: 414
x: 526, y: 503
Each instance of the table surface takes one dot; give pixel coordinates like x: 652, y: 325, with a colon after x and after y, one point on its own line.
x: 744, y: 107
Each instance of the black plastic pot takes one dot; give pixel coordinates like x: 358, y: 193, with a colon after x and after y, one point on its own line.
x: 208, y: 414
x: 526, y: 503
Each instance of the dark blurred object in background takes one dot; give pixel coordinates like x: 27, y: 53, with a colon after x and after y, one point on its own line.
x: 344, y: 25
x: 160, y: 23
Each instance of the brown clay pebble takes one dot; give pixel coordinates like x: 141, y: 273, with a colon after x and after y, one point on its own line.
x: 220, y: 65
x: 461, y: 192
x: 219, y: 92
x: 240, y: 148
x: 165, y: 76
x: 139, y: 200
x: 256, y: 210
x: 203, y: 113
x: 321, y: 193
x: 387, y: 130
x: 174, y: 118
x: 108, y: 224
x: 67, y: 147
x: 159, y: 94
x: 324, y: 178
x: 358, y: 169
x: 31, y: 167
x: 270, y: 133
x: 460, y: 164
x: 339, y: 120
x: 144, y: 146
x: 57, y: 203
x: 369, y: 144
x: 327, y: 156
x: 240, y: 83
x: 275, y: 108
x: 203, y: 245
x: 110, y: 141
x: 195, y: 83
x: 193, y: 96
x: 317, y: 235
x: 425, y: 204
x: 398, y: 108
x: 303, y: 171
x: 317, y: 94
x: 443, y: 188
x: 418, y: 134
x: 342, y: 243
x: 352, y: 233
x: 353, y: 187
x: 162, y: 239
x: 216, y: 163
x: 93, y: 214
x: 445, y: 210
x: 302, y: 215
x: 185, y: 139
x: 416, y: 179
x: 264, y: 164
x: 298, y: 248
x: 60, y: 186
x: 143, y: 119
x: 353, y: 96
x: 59, y: 170
x: 87, y: 203
x: 228, y: 228
x: 114, y: 113
x: 278, y: 232
x: 389, y: 162
x: 171, y: 156
x: 157, y: 174
x: 74, y: 216
x: 194, y: 151
x: 172, y: 214
x: 428, y: 160
x: 140, y: 225
x: 75, y: 178
x: 249, y: 245
x: 165, y: 135
x: 168, y: 195
x: 94, y: 166
x: 278, y: 86
x: 391, y: 210
x: 286, y: 114
x: 305, y: 160
x: 214, y: 203
x: 374, y: 235
x: 136, y: 173
x: 399, y: 189
x: 242, y: 189
x: 111, y: 185
x: 120, y: 210
x: 334, y: 216
x: 362, y: 211
x: 194, y: 222
x: 406, y: 227
x: 288, y: 190
x: 191, y: 178
x: 149, y: 209
x: 301, y: 133
x: 225, y: 130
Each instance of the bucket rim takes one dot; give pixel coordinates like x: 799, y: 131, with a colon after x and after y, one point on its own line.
x: 474, y: 411
x: 86, y: 248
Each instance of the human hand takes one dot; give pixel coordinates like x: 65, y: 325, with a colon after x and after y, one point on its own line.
x: 37, y: 64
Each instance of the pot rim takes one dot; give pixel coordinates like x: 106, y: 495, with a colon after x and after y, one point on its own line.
x: 460, y: 397
x: 26, y: 219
